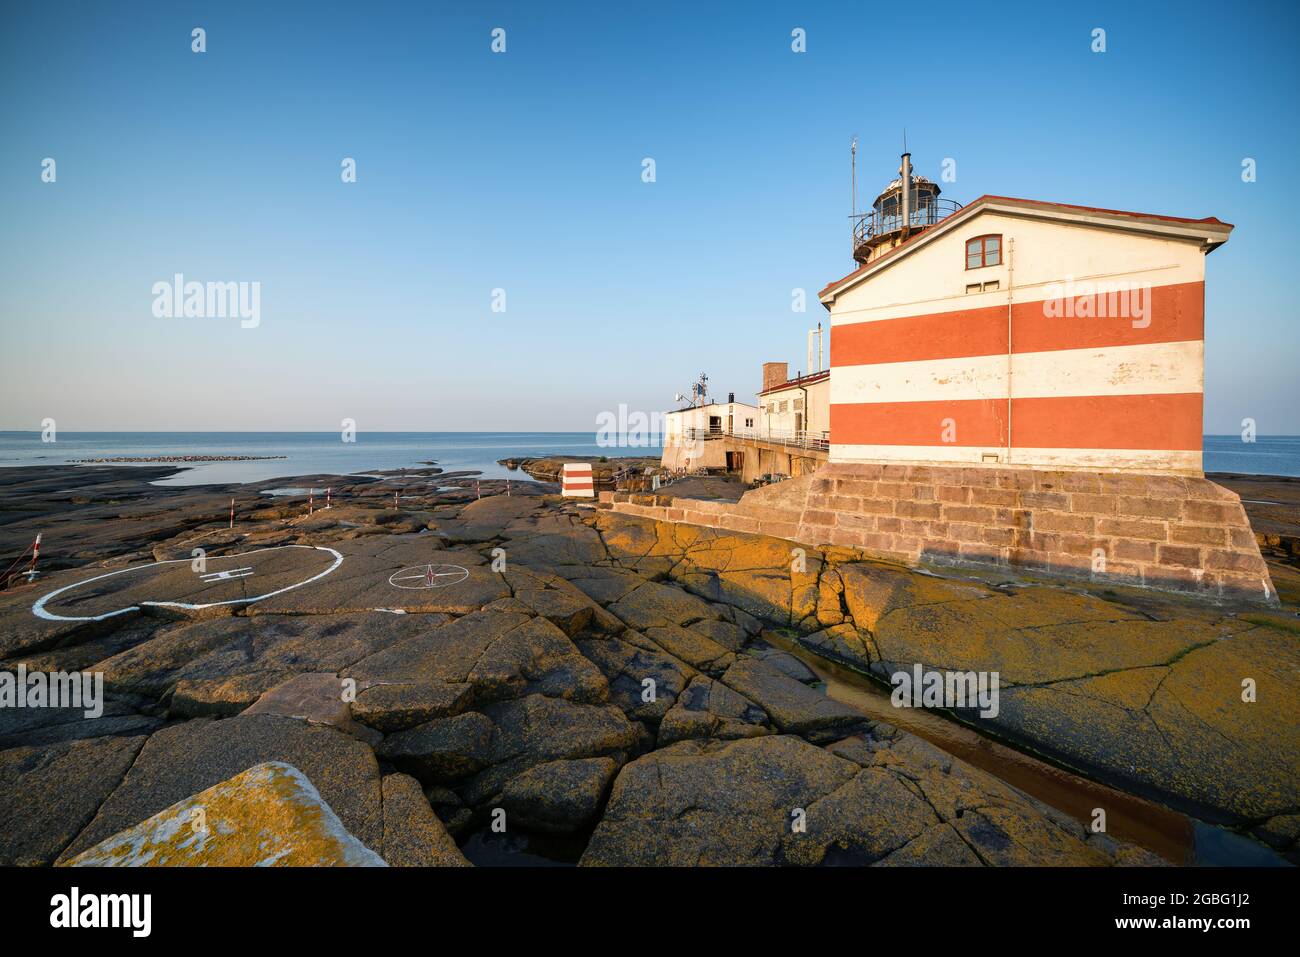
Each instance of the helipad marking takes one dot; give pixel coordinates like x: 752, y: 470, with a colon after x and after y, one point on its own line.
x: 224, y: 576
x: 428, y: 578
x: 38, y: 609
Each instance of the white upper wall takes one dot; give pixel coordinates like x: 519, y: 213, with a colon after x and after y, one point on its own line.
x: 933, y: 277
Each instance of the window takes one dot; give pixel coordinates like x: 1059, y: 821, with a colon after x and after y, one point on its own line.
x: 749, y: 423
x: 983, y: 251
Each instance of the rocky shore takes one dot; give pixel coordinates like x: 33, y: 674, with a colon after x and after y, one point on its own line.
x: 597, y: 682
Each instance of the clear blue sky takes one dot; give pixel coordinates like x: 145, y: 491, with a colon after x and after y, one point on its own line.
x: 523, y: 171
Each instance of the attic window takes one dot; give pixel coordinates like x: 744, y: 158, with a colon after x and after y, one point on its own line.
x: 983, y: 251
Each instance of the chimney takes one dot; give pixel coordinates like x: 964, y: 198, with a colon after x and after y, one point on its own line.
x: 731, y: 397
x: 819, y: 347
x: 774, y: 373
x: 906, y: 172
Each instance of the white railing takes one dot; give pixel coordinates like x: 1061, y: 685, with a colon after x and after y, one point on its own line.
x: 801, y: 440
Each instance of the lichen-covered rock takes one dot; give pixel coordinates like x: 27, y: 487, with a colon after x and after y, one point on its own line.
x: 603, y: 585
x: 269, y: 815
x: 782, y: 661
x: 842, y: 643
x: 725, y: 633
x: 444, y: 749
x: 655, y: 605
x: 502, y: 654
x: 1180, y: 728
x: 762, y: 576
x: 448, y: 652
x: 209, y: 656
x: 413, y: 835
x: 561, y: 609
x: 558, y: 796
x: 536, y: 658
x: 221, y: 697
x: 689, y: 804
x: 692, y: 647
x: 628, y: 667
x: 534, y: 730
x: 709, y: 709
x: 794, y: 707
x: 778, y: 800
x: 396, y: 707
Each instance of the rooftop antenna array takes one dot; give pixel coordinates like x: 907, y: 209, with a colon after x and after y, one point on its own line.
x: 696, y: 394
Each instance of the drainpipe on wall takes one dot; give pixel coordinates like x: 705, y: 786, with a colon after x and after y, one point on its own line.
x: 804, y: 390
x: 1010, y: 247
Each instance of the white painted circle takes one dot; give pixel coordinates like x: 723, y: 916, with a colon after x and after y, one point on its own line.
x: 428, y: 576
x: 38, y: 609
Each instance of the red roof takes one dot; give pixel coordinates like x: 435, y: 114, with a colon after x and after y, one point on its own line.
x: 1037, y: 203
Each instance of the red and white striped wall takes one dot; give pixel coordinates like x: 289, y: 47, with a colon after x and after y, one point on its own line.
x: 576, y: 481
x: 926, y: 367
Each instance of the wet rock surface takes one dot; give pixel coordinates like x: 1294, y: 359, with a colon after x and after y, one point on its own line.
x: 597, y: 677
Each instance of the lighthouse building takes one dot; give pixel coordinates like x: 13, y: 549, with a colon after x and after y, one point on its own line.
x: 1020, y: 332
x: 1015, y: 383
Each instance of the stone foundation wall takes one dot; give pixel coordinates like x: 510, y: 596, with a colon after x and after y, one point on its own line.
x: 1161, y: 531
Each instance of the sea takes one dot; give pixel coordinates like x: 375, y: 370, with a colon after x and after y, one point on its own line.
x: 308, y: 453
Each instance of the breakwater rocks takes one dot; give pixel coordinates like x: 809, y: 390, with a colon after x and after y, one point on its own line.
x: 601, y: 680
x: 168, y: 459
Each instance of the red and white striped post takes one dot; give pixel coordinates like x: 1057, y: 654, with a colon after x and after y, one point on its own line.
x: 478, y: 491
x: 507, y: 488
x: 394, y: 501
x: 36, y: 552
x: 311, y: 501
x: 232, y: 513
x: 577, y: 480
x: 329, y: 491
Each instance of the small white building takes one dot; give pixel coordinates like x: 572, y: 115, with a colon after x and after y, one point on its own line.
x: 687, y: 433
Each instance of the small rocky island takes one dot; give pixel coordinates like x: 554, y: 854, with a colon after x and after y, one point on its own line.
x: 171, y: 459
x: 549, y: 468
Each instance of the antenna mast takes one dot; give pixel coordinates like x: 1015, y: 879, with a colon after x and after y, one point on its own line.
x: 853, y: 173
x: 853, y: 180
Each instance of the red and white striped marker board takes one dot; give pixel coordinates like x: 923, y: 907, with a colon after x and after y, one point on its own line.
x: 577, y: 481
